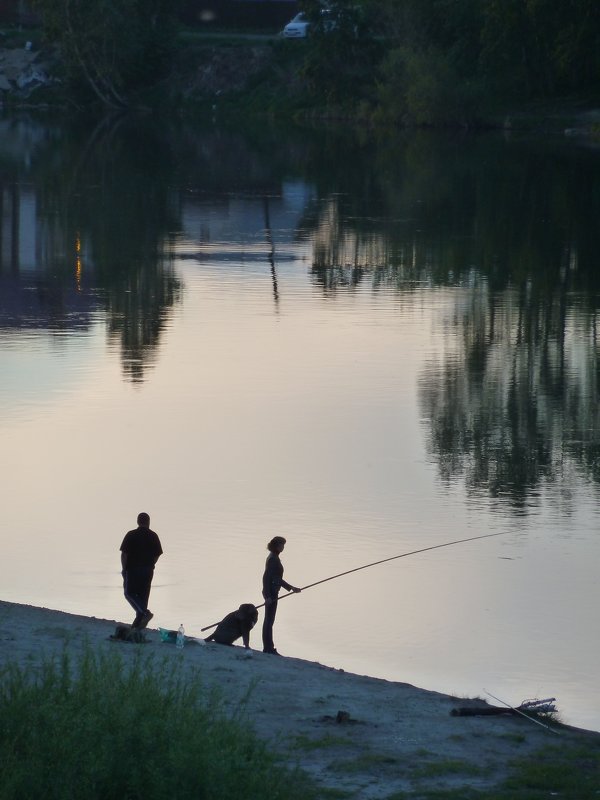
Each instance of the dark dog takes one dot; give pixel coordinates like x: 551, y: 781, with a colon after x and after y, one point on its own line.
x: 238, y: 623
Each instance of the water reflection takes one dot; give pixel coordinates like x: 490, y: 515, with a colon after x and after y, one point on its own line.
x: 85, y: 216
x: 91, y: 220
x: 434, y: 211
x: 516, y: 405
x: 365, y: 346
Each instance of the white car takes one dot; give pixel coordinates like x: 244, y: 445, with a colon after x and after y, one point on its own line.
x: 296, y: 28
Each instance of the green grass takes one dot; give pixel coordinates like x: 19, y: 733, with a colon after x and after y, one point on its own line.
x: 441, y: 794
x: 308, y: 744
x: 366, y: 762
x: 514, y: 738
x: 103, y: 728
x: 449, y: 766
x: 99, y: 728
x: 571, y: 772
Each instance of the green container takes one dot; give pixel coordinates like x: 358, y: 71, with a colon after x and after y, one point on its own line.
x: 167, y: 636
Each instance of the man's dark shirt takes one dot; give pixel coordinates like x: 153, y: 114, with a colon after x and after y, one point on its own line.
x: 142, y: 547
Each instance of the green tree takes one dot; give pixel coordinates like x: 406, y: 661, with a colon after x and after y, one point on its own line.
x: 111, y: 48
x: 429, y: 72
x: 444, y: 59
x: 342, y: 54
x: 535, y: 48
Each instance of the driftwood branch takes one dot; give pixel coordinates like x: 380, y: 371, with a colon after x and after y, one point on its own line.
x: 528, y: 708
x: 480, y: 711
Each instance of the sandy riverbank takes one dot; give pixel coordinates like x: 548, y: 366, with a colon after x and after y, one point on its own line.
x: 397, y: 738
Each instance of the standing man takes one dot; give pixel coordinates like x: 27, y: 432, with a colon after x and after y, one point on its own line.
x: 140, y: 551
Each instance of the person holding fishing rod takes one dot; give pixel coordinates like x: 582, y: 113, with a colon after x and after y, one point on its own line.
x: 272, y: 583
x: 273, y: 579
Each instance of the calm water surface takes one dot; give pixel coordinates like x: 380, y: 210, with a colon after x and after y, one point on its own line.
x: 366, y: 347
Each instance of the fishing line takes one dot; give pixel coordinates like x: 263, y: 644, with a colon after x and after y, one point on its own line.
x: 382, y: 561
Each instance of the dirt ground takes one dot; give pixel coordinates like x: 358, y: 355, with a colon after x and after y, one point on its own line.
x: 358, y: 736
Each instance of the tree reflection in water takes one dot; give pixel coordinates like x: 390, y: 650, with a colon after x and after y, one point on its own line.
x: 101, y: 218
x: 509, y: 228
x: 517, y: 403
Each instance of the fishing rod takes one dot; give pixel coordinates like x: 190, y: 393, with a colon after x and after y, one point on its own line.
x: 382, y: 561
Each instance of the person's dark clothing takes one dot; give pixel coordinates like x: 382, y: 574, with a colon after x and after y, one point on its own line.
x: 272, y: 583
x: 136, y: 587
x: 273, y: 577
x: 267, y: 628
x: 238, y: 623
x: 143, y: 549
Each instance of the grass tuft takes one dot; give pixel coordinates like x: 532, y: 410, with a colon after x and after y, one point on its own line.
x: 445, y: 767
x: 569, y: 772
x: 98, y: 728
x: 308, y: 744
x: 366, y: 762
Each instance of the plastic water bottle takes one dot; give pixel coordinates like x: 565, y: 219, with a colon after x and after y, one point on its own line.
x: 179, y: 643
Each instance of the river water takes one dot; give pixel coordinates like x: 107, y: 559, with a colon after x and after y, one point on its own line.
x: 368, y: 346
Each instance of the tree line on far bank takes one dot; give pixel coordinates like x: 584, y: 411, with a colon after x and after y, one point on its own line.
x: 447, y: 61
x: 420, y: 62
